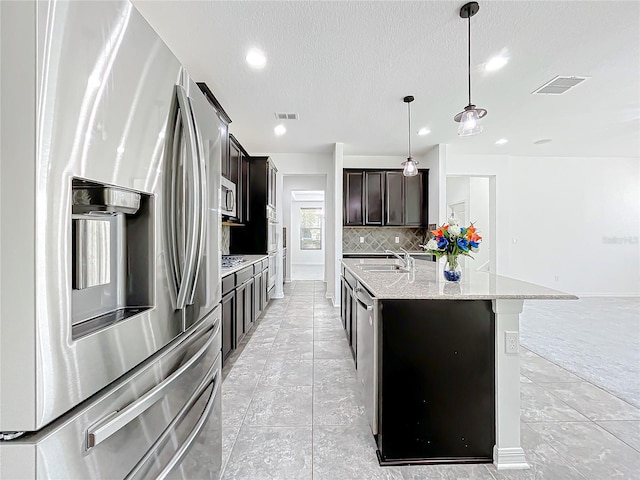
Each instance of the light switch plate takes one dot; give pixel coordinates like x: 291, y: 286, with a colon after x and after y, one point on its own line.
x: 361, y: 239
x: 397, y: 239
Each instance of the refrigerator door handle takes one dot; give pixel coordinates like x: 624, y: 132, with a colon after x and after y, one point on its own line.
x: 201, y: 182
x: 115, y: 421
x: 170, y: 187
x: 169, y: 430
x: 192, y: 202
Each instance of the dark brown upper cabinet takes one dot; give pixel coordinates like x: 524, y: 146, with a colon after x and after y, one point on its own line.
x: 353, y: 199
x: 373, y: 198
x: 384, y: 198
x: 394, y: 198
x: 226, y: 120
x: 239, y: 174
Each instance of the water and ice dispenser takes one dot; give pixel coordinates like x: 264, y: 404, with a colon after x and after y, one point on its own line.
x: 112, y: 245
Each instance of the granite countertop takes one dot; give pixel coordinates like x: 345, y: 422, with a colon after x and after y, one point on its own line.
x: 248, y: 260
x: 427, y: 282
x: 400, y: 252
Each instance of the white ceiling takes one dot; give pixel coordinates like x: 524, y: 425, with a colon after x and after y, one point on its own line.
x: 344, y: 67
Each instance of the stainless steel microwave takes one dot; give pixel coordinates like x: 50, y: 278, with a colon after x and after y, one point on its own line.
x: 228, y: 197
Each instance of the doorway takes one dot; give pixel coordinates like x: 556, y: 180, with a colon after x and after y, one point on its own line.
x: 470, y: 199
x: 308, y: 235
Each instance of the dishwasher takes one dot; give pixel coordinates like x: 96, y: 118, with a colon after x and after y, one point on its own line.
x: 367, y: 352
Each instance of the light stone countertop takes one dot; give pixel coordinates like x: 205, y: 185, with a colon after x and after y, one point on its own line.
x: 427, y: 282
x: 248, y: 260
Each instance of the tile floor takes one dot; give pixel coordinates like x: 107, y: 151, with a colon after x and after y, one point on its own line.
x: 291, y: 410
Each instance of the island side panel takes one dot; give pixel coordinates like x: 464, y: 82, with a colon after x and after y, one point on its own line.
x: 508, y: 453
x: 437, y: 381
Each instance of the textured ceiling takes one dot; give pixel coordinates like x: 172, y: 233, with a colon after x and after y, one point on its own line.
x: 344, y: 67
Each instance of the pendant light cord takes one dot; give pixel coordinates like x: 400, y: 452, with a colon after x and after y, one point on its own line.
x: 409, y: 105
x: 469, y: 58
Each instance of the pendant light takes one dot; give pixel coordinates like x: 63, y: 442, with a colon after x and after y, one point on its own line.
x: 410, y: 166
x: 471, y: 115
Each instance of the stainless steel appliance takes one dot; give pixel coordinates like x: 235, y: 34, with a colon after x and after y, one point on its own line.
x: 367, y: 352
x: 110, y: 272
x: 228, y: 197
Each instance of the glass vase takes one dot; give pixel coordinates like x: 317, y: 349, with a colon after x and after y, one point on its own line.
x: 452, y: 270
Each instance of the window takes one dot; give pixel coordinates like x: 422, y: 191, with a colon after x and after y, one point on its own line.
x: 311, y: 229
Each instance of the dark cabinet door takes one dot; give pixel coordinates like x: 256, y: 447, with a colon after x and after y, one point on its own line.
x: 224, y: 161
x: 353, y: 337
x: 228, y: 324
x: 248, y: 306
x: 244, y: 191
x: 234, y: 162
x: 373, y: 198
x: 265, y: 288
x: 414, y: 200
x: 353, y: 197
x: 394, y: 198
x: 257, y: 296
x: 343, y: 302
x: 240, y: 312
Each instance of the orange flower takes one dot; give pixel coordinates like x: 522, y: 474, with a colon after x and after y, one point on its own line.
x: 438, y: 232
x: 475, y: 238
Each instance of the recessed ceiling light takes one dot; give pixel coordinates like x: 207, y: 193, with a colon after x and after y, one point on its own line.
x: 256, y: 58
x: 542, y: 141
x: 424, y: 131
x: 496, y: 63
x: 502, y: 141
x: 280, y: 130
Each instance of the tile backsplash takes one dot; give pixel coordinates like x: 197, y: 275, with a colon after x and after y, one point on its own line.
x: 379, y: 239
x: 226, y: 239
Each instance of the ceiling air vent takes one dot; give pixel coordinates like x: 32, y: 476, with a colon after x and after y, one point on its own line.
x: 286, y: 116
x: 559, y: 85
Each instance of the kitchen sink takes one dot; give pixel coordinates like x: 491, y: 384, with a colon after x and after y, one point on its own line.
x: 384, y: 267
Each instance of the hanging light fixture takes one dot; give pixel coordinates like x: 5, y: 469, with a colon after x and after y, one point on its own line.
x: 471, y: 115
x: 410, y: 166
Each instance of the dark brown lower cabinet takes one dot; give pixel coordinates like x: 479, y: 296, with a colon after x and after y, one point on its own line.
x: 228, y: 324
x: 241, y: 294
x: 248, y: 306
x: 257, y: 296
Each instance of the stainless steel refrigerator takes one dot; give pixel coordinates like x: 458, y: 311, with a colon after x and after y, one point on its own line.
x: 109, y: 250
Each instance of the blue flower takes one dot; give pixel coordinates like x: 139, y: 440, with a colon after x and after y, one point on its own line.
x: 473, y: 244
x: 463, y: 243
x: 442, y: 242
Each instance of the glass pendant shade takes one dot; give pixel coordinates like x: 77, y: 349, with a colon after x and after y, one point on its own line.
x: 410, y: 168
x: 469, y: 123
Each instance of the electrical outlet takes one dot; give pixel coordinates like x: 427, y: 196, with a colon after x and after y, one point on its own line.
x: 397, y: 239
x: 511, y: 342
x: 361, y: 239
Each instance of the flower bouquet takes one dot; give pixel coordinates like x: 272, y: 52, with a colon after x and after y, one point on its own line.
x: 451, y: 240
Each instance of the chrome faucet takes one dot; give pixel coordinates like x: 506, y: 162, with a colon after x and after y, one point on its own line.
x: 411, y: 262
x: 407, y: 261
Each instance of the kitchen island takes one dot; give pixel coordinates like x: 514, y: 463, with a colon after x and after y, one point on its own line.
x: 438, y: 362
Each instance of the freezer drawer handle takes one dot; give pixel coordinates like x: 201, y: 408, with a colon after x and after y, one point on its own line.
x: 115, y: 421
x: 184, y: 449
x: 169, y: 430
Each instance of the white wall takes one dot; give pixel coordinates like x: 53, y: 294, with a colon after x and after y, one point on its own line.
x: 567, y: 223
x: 479, y: 214
x: 336, y: 185
x: 299, y: 256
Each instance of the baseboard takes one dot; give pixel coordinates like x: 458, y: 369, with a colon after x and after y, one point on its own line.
x: 277, y: 296
x: 329, y: 296
x: 509, y: 458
